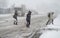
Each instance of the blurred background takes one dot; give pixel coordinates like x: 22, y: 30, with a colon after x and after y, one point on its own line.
x: 40, y: 6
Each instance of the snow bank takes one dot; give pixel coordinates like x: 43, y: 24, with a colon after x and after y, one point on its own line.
x: 51, y: 34
x: 54, y: 29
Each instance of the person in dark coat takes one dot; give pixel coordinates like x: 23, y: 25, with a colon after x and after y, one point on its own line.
x: 15, y: 17
x: 28, y: 18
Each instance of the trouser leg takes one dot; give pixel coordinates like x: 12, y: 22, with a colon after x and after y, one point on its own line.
x: 52, y: 21
x: 47, y: 22
x: 16, y: 21
x: 28, y: 23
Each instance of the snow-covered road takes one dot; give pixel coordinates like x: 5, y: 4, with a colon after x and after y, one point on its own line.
x: 8, y: 30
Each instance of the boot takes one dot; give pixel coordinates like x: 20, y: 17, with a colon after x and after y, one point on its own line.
x: 16, y: 23
x: 27, y: 25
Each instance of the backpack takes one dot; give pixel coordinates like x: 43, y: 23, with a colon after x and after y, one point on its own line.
x: 13, y: 16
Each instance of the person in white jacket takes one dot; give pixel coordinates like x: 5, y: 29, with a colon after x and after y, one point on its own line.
x: 50, y: 17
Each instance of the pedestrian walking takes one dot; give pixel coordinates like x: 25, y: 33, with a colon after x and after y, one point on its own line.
x: 28, y: 19
x: 15, y: 17
x: 50, y: 18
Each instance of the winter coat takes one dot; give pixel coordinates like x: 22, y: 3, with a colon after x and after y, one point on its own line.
x: 50, y: 15
x: 28, y: 17
x: 15, y: 15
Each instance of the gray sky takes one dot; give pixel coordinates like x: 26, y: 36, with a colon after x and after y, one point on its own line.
x: 39, y: 5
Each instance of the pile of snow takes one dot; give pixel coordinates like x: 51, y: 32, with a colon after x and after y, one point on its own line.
x: 52, y: 33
